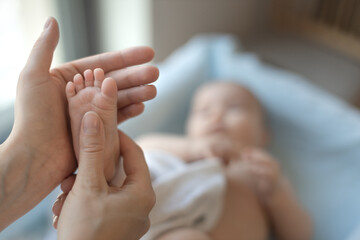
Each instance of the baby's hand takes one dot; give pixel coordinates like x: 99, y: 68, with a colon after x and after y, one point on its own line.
x: 264, y: 171
x: 213, y: 147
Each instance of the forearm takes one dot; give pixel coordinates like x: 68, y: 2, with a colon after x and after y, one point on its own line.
x: 175, y: 144
x: 289, y: 219
x: 23, y: 181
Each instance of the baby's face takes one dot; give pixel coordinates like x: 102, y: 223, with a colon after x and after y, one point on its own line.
x: 227, y: 110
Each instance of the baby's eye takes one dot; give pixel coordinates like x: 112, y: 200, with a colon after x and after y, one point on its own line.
x: 202, y: 112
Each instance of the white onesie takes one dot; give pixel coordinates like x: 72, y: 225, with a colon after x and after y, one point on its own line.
x: 187, y: 194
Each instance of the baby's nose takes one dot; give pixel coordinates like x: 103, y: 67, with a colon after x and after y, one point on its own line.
x: 217, y: 115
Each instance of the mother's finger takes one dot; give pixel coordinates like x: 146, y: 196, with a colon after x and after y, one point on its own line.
x: 137, y: 172
x: 58, y: 204
x: 55, y: 221
x: 91, y: 154
x: 135, y: 95
x: 109, y: 61
x: 134, y: 76
x: 68, y: 183
x: 130, y: 111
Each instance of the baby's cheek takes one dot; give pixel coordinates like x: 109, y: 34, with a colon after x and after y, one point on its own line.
x: 196, y: 129
x: 245, y: 137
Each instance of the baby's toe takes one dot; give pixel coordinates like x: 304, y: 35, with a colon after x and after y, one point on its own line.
x: 109, y: 89
x: 70, y: 90
x: 89, y: 78
x: 78, y: 82
x: 99, y: 77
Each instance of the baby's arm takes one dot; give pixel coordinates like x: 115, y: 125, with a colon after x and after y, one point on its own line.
x: 190, y: 149
x: 175, y: 144
x: 287, y: 217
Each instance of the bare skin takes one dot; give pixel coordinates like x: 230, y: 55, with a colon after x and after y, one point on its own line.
x: 95, y: 210
x: 227, y: 122
x: 184, y: 233
x: 243, y: 216
x: 94, y: 93
x: 38, y: 155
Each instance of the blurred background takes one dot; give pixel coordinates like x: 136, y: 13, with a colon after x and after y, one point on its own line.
x: 319, y: 39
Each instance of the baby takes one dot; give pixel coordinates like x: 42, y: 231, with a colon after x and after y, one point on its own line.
x: 227, y: 123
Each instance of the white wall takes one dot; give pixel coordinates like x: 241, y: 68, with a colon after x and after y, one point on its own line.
x: 175, y: 21
x: 167, y: 24
x: 21, y: 22
x: 124, y: 23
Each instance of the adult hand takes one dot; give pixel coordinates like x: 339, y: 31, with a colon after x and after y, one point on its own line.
x: 41, y: 115
x: 90, y: 208
x: 38, y: 154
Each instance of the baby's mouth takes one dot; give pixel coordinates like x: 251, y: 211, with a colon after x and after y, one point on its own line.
x: 216, y: 129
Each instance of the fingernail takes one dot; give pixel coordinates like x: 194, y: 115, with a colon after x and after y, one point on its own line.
x: 55, y: 219
x: 91, y: 123
x: 56, y: 201
x: 47, y: 23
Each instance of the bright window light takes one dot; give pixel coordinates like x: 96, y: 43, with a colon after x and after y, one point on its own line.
x: 21, y: 22
x: 13, y: 54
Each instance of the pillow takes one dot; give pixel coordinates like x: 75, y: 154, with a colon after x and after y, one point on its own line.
x: 180, y: 75
x: 315, y: 136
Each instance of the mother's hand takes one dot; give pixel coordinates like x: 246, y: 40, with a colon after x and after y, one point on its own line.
x: 91, y: 209
x: 41, y: 116
x: 39, y: 152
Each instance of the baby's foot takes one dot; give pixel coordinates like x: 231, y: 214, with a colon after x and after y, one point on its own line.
x: 98, y: 95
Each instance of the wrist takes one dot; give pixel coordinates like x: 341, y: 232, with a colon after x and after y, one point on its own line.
x: 13, y: 183
x: 278, y: 194
x: 24, y: 180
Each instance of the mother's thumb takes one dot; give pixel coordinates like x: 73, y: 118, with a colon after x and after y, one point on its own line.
x: 42, y: 53
x: 91, y: 153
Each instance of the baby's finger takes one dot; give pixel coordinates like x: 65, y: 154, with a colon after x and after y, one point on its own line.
x: 264, y: 186
x: 262, y: 170
x: 260, y: 155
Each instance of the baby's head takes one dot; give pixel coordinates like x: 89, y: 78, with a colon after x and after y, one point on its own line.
x: 227, y: 110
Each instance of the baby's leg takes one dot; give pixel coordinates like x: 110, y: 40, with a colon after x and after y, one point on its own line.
x: 94, y: 93
x: 184, y: 233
